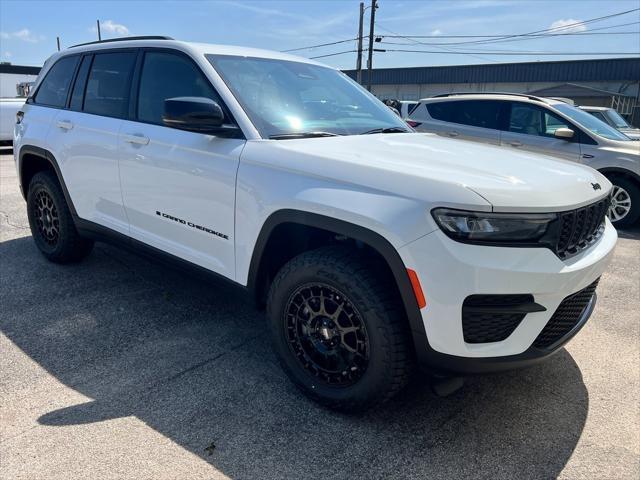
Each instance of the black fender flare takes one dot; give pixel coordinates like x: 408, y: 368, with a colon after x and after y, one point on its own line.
x: 51, y: 159
x: 356, y: 232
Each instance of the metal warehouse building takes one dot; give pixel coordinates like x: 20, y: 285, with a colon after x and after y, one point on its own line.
x: 13, y: 79
x: 604, y: 82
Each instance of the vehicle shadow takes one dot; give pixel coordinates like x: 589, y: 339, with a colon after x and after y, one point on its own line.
x: 192, y: 361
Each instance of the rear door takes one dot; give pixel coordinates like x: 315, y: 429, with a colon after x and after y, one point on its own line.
x: 178, y: 186
x: 531, y: 128
x: 475, y: 120
x: 86, y: 134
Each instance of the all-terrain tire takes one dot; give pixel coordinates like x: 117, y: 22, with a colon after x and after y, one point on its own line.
x: 361, y: 282
x: 51, y: 222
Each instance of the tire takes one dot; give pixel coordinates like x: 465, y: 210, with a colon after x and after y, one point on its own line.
x: 625, y: 191
x: 342, y: 276
x: 51, y: 221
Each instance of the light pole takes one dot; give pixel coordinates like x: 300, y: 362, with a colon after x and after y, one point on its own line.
x: 371, y: 26
x: 359, y: 60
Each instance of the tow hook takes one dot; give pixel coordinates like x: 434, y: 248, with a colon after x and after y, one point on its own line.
x: 445, y: 386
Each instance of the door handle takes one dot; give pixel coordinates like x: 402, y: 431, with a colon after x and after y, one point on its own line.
x: 137, y: 139
x: 453, y: 133
x: 515, y: 143
x: 65, y: 124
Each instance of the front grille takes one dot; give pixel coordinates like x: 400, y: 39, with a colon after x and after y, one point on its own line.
x: 580, y: 228
x: 566, y: 317
x: 492, y: 318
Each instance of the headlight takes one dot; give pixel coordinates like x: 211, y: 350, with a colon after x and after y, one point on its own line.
x: 498, y: 228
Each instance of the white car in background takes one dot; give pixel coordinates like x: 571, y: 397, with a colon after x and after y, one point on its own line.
x: 613, y: 118
x: 541, y: 125
x: 9, y: 107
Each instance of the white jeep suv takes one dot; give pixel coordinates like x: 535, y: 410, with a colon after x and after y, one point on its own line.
x: 373, y: 247
x: 541, y: 125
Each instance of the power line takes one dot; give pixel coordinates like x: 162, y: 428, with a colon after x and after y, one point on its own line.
x: 320, y: 45
x: 511, y: 52
x: 333, y: 54
x: 552, y: 30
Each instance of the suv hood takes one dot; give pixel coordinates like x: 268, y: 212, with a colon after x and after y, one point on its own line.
x: 633, y: 133
x: 440, y: 170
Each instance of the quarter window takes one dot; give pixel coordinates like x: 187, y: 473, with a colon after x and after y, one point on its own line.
x: 55, y: 86
x: 166, y: 75
x: 107, y: 91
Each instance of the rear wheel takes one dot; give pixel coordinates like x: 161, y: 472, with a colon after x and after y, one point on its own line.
x: 625, y: 202
x: 51, y: 222
x: 338, y: 329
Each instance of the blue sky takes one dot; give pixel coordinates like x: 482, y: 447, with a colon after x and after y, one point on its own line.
x: 28, y: 29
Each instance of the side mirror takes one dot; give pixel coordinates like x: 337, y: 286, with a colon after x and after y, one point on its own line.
x: 563, y: 133
x: 196, y: 114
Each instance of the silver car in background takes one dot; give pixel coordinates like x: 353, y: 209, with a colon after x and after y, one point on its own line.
x: 545, y: 126
x: 613, y: 118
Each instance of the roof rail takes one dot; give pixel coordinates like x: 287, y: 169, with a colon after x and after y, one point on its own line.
x: 530, y: 97
x: 124, y: 39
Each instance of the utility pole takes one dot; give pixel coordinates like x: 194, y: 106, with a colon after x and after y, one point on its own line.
x: 359, y: 61
x: 371, y: 26
x: 58, y: 41
x: 99, y: 36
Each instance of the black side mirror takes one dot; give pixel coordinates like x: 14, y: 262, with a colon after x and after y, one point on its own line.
x: 196, y: 114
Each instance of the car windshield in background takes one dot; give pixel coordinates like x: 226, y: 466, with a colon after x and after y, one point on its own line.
x: 617, y: 120
x: 288, y: 99
x: 591, y: 123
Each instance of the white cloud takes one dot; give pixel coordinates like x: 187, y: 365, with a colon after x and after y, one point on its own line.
x: 7, y: 54
x: 437, y: 31
x: 562, y: 26
x: 25, y: 35
x: 109, y: 26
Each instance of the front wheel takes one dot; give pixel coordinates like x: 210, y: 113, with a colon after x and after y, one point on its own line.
x: 625, y: 202
x: 338, y: 329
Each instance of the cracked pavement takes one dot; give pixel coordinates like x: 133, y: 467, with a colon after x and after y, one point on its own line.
x: 122, y: 368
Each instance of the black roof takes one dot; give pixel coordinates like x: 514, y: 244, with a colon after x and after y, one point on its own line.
x: 18, y: 69
x: 609, y: 69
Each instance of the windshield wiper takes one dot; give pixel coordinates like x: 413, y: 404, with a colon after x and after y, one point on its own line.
x: 293, y: 135
x: 386, y: 130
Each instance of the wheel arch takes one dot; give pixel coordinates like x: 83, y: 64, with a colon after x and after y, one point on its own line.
x: 336, y: 228
x: 608, y: 171
x: 31, y: 160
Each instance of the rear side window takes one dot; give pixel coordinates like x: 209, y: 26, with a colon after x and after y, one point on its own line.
x: 167, y: 75
x: 107, y: 90
x: 475, y: 113
x: 55, y: 87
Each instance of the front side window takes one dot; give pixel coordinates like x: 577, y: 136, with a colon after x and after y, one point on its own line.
x: 55, y: 87
x: 532, y: 120
x: 287, y: 97
x: 108, y: 84
x: 166, y: 75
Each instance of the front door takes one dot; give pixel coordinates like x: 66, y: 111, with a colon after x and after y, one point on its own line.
x: 531, y: 128
x: 178, y: 186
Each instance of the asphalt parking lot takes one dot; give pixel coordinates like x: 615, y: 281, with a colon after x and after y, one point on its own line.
x: 121, y: 368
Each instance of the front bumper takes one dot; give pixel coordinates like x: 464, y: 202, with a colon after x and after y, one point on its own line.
x: 450, y: 271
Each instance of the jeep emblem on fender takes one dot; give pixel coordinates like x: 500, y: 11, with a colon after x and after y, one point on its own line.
x: 596, y: 186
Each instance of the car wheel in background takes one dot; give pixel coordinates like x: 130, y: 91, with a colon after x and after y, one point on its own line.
x: 625, y: 202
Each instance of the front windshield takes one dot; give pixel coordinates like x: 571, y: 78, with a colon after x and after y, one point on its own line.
x: 617, y: 120
x: 283, y: 97
x: 591, y: 123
